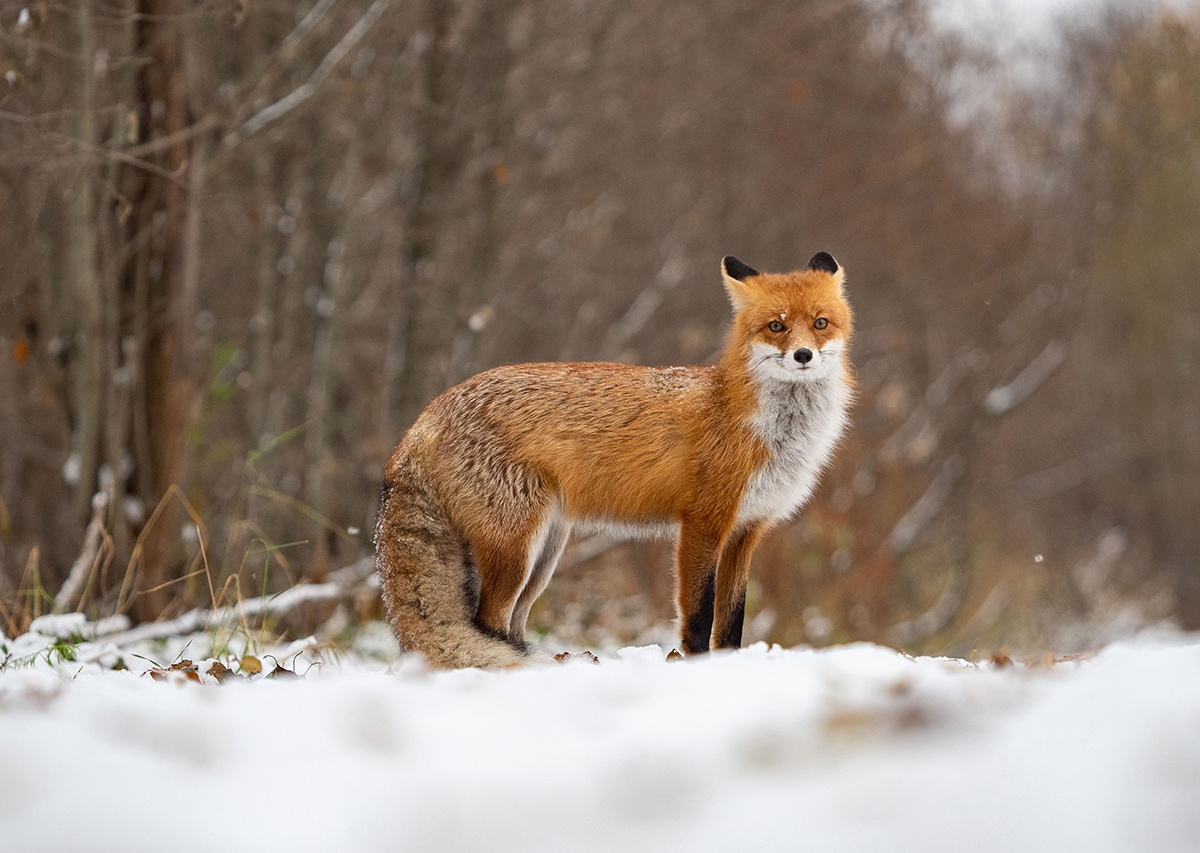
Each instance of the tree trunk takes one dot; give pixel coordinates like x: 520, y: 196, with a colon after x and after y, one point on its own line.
x: 460, y: 105
x: 161, y: 212
x: 89, y: 359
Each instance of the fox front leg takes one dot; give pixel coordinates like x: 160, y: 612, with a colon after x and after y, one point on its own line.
x: 733, y: 572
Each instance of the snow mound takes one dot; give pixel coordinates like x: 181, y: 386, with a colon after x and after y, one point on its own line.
x: 850, y: 749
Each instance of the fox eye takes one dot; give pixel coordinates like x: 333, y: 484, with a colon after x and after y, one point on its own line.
x: 775, y: 326
x: 821, y: 323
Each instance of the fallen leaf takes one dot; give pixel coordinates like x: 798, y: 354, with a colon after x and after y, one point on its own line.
x: 184, y: 667
x: 250, y: 665
x: 189, y: 670
x: 220, y: 672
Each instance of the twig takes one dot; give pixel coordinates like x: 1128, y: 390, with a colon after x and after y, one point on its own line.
x: 343, y: 584
x: 305, y: 26
x: 162, y: 143
x: 642, y: 308
x: 119, y: 155
x: 309, y: 87
x: 1005, y: 398
x: 999, y: 401
x: 909, y: 527
x: 69, y: 593
x: 285, y: 54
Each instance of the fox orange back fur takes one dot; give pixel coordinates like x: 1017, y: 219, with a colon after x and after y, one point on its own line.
x: 482, y: 493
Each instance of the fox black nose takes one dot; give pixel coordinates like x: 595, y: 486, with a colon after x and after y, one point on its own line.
x: 804, y: 355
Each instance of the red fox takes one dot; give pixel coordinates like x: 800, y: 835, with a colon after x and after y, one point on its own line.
x: 481, y: 494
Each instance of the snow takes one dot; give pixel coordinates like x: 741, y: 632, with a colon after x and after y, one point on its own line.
x: 850, y: 748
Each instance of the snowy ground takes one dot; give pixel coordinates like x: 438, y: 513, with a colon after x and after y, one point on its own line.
x: 848, y: 749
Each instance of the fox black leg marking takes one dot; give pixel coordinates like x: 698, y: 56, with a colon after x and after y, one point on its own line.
x: 697, y: 626
x: 732, y: 638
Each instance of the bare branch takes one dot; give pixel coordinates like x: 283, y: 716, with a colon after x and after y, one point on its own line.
x: 123, y: 156
x: 1005, y: 398
x: 343, y: 584
x: 309, y: 87
x: 909, y: 527
x: 162, y: 143
x: 306, y: 26
x: 643, y: 307
x: 999, y: 401
x: 287, y: 50
x: 81, y: 569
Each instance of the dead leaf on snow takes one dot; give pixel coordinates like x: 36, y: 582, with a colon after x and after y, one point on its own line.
x: 220, y: 672
x: 184, y: 668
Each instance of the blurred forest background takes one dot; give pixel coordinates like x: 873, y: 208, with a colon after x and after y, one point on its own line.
x: 243, y: 243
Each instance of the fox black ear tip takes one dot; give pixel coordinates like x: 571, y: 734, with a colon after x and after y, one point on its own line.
x: 823, y: 262
x: 735, y: 269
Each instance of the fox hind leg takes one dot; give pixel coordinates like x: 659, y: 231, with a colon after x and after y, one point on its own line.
x: 543, y: 559
x: 503, y: 565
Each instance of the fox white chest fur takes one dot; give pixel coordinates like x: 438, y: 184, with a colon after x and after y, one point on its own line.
x: 801, y: 424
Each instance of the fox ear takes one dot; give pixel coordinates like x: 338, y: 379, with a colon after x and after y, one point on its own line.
x: 735, y: 269
x: 824, y: 262
x: 735, y: 273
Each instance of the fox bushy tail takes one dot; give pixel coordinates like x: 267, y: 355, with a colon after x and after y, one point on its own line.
x: 430, y: 585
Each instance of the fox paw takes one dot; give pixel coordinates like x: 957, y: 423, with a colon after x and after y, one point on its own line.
x: 563, y: 657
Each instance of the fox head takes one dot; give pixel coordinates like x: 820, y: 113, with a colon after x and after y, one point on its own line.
x: 791, y: 327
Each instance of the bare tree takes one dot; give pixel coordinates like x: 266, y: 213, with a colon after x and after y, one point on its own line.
x: 249, y: 242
